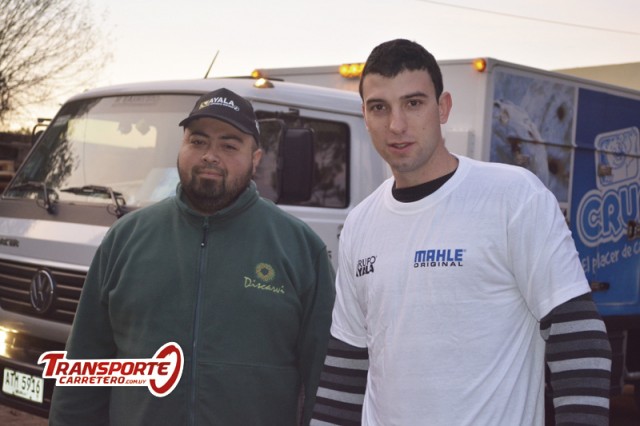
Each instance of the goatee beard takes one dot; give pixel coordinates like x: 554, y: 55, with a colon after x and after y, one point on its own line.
x: 209, y: 196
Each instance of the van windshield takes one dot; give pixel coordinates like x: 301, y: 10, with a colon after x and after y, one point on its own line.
x: 122, y: 145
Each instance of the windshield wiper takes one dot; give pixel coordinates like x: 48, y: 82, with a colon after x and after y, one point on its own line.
x: 49, y: 195
x: 116, y: 197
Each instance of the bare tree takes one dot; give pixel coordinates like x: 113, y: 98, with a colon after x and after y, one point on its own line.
x: 47, y: 49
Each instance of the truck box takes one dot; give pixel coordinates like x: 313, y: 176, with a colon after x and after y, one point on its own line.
x: 579, y: 137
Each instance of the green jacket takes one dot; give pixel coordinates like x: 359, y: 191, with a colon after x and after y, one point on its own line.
x: 247, y: 293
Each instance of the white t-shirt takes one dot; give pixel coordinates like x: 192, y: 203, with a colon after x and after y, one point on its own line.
x: 447, y: 293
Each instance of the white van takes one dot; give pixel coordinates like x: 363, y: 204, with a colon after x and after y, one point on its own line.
x: 109, y: 151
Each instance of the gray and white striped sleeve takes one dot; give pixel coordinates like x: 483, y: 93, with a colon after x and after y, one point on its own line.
x: 343, y: 382
x: 578, y: 355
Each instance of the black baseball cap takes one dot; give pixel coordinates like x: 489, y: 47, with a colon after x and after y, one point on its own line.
x: 225, y: 105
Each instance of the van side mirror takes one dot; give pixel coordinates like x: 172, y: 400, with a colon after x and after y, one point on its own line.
x: 39, y: 129
x: 295, y: 166
x: 286, y: 172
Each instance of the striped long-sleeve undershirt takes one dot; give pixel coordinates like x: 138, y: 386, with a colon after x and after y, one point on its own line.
x: 577, y: 350
x: 578, y: 355
x: 342, y: 385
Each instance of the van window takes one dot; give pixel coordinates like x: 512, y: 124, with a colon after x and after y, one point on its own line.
x: 330, y: 184
x: 128, y: 144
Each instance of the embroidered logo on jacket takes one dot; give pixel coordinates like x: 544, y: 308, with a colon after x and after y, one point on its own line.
x: 434, y: 258
x: 264, y: 274
x: 365, y: 266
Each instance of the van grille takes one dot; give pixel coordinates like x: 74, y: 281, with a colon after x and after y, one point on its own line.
x: 15, y: 282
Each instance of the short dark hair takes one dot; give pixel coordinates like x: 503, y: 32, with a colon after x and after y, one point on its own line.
x: 392, y: 57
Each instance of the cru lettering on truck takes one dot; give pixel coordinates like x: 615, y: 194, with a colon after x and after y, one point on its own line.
x: 606, y: 196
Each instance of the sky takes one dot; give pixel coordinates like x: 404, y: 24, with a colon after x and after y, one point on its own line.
x: 161, y: 39
x: 178, y: 39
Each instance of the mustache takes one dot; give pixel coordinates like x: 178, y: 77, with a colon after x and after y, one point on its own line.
x: 212, y: 167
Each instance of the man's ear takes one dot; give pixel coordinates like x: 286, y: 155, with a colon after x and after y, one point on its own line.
x: 364, y: 116
x: 256, y: 156
x: 445, y: 103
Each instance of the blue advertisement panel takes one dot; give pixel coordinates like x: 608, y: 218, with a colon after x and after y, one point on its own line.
x: 584, y: 145
x: 606, y: 198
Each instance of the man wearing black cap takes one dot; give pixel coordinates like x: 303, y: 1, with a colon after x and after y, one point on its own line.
x: 219, y: 153
x: 243, y: 288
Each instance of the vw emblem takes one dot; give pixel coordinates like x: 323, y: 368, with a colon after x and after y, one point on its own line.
x: 42, y: 291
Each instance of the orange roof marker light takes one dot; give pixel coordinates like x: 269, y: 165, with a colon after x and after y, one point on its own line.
x: 480, y: 64
x: 263, y: 83
x: 351, y: 70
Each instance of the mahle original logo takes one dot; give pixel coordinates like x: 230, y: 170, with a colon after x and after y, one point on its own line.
x: 264, y: 277
x: 438, y: 258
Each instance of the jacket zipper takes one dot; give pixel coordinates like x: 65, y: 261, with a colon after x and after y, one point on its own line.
x: 196, y: 322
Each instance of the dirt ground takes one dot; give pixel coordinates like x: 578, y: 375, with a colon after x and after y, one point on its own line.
x: 12, y: 417
x: 624, y: 412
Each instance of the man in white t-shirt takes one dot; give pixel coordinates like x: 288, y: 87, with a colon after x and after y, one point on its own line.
x: 457, y: 279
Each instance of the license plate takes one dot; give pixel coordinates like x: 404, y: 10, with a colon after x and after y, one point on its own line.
x: 23, y: 385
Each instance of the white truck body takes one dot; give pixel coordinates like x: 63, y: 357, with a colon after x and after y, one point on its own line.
x: 119, y: 143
